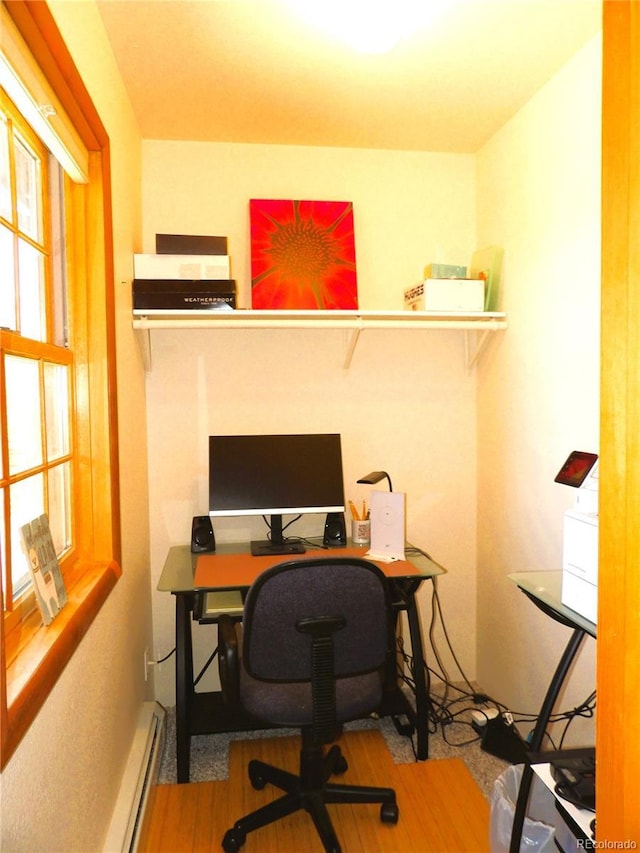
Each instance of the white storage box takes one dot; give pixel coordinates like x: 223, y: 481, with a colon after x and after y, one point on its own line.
x: 186, y: 267
x: 446, y: 294
x: 580, y: 564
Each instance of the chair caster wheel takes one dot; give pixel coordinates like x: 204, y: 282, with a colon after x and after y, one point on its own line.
x: 389, y: 813
x: 340, y: 766
x: 233, y: 840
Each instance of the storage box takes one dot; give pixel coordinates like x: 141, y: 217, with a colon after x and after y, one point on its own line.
x: 187, y: 267
x: 444, y: 271
x: 177, y: 295
x: 190, y: 244
x: 580, y: 564
x: 446, y: 294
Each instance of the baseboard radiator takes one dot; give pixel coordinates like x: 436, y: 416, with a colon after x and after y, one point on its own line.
x: 140, y: 774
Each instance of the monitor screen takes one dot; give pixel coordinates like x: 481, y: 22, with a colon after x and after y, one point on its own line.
x: 275, y: 475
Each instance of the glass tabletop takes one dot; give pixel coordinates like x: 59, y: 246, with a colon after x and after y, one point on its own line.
x: 545, y: 590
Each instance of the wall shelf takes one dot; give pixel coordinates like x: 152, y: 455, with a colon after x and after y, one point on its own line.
x: 476, y: 326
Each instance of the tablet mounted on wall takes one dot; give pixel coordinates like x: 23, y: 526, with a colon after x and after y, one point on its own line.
x: 576, y: 468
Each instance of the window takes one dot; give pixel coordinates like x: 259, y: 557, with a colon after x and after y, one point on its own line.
x: 58, y: 439
x: 37, y: 464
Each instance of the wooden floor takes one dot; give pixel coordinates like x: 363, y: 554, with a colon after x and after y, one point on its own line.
x: 442, y: 810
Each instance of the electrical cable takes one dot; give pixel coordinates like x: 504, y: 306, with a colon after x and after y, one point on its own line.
x: 284, y: 527
x: 166, y: 657
x: 443, y: 709
x: 210, y: 660
x: 436, y: 597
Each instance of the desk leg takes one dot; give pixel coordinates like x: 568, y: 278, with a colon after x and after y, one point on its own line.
x: 422, y: 695
x: 538, y: 735
x: 184, y: 684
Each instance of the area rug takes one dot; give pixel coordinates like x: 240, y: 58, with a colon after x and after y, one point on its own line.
x: 210, y: 753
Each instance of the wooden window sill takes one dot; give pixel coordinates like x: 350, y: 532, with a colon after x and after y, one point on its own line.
x: 39, y: 654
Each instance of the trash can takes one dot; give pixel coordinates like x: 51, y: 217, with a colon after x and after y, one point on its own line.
x: 539, y: 823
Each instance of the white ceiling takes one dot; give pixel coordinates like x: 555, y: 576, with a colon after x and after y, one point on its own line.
x: 253, y: 71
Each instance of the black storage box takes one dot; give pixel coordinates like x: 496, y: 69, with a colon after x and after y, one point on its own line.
x: 181, y: 295
x: 190, y: 244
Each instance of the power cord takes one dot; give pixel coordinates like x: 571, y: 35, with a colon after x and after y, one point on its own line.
x: 446, y: 710
x: 162, y: 660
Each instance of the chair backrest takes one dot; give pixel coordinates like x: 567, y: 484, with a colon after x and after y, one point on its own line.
x: 274, y: 649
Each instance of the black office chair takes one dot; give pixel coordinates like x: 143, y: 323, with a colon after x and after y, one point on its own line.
x: 315, y: 639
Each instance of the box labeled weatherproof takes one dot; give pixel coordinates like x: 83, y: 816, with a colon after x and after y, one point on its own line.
x: 167, y: 295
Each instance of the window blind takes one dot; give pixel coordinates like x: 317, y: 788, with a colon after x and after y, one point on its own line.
x: 23, y: 81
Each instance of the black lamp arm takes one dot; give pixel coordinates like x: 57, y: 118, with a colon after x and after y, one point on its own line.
x: 375, y: 477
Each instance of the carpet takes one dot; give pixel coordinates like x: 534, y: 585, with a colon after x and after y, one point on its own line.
x: 210, y: 753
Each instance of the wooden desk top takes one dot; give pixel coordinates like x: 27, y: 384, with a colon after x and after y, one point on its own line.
x: 222, y: 571
x: 233, y: 567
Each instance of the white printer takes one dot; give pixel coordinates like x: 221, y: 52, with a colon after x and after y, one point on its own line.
x: 580, y: 537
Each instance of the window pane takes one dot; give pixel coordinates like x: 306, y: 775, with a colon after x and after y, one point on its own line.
x: 24, y: 426
x: 56, y: 407
x: 7, y: 291
x: 31, y: 288
x: 60, y: 506
x: 27, y: 503
x: 28, y: 190
x: 5, y: 182
x: 58, y: 253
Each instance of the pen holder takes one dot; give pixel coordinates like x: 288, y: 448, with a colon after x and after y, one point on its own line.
x: 360, y: 531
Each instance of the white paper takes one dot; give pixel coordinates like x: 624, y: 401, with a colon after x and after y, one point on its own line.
x: 387, y: 526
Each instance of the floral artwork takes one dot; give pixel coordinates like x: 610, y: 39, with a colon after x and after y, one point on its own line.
x: 302, y: 255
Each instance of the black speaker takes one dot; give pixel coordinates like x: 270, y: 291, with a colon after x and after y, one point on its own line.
x: 335, y: 530
x: 202, y: 538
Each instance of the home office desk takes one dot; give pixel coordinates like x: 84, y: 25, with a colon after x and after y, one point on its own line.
x: 544, y: 589
x: 188, y: 576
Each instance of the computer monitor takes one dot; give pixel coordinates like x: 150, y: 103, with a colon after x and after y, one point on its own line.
x: 275, y: 475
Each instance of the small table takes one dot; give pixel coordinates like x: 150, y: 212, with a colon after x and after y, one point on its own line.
x: 205, y: 713
x: 544, y: 589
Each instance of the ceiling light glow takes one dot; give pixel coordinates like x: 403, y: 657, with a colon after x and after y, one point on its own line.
x: 369, y: 26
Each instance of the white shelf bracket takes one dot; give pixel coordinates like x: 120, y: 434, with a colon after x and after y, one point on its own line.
x: 144, y: 344
x: 480, y: 341
x: 355, y: 334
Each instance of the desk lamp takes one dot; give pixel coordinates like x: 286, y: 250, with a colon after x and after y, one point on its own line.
x: 375, y: 477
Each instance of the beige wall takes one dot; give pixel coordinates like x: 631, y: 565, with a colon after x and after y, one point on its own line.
x: 407, y: 404
x: 538, y: 195
x: 59, y: 788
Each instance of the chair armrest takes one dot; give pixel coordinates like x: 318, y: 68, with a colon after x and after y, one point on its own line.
x: 229, y: 659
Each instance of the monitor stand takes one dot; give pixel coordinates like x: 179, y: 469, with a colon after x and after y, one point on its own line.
x: 266, y: 548
x: 277, y: 545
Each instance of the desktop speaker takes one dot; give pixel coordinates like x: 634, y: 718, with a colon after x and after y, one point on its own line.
x: 202, y: 538
x: 335, y: 530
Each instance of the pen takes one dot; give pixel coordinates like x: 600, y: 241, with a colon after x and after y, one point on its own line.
x: 364, y: 511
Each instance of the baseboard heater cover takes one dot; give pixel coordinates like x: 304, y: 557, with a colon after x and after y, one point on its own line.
x: 141, y: 772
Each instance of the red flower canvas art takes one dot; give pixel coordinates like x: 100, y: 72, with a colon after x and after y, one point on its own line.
x: 302, y: 255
